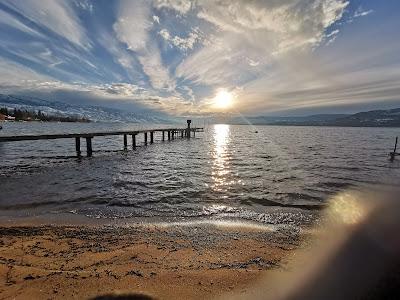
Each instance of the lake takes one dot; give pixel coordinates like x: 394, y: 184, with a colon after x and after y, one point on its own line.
x: 277, y: 175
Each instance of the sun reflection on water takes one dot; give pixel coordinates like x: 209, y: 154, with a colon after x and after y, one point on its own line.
x: 221, y: 156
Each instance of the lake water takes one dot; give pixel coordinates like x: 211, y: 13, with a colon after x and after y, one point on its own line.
x: 279, y: 175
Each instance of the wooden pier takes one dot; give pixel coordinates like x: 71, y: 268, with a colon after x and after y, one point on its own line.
x: 172, y: 133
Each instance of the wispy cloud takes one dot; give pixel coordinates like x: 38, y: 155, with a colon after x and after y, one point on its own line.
x: 15, y: 75
x: 183, y: 44
x: 360, y: 12
x: 85, y: 5
x: 133, y: 28
x: 326, y: 83
x: 8, y: 20
x: 181, y: 6
x: 53, y: 15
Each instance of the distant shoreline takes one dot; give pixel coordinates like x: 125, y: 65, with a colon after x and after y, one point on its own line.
x: 316, y: 125
x: 24, y: 115
x: 42, y: 121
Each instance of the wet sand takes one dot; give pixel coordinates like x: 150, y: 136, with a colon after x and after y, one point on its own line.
x: 197, y: 261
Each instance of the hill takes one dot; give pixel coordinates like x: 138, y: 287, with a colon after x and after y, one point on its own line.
x: 374, y: 118
x: 93, y: 113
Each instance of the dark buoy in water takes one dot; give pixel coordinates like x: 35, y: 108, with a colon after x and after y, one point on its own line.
x: 394, y: 153
x: 256, y: 131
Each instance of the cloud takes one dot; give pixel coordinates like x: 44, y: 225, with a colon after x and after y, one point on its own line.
x: 133, y: 24
x: 54, y: 15
x: 360, y: 12
x: 331, y: 37
x: 252, y: 63
x: 120, y: 56
x: 153, y: 67
x: 181, y: 6
x: 16, y: 75
x: 156, y: 19
x: 132, y: 93
x: 133, y: 29
x: 324, y: 82
x: 287, y: 18
x: 123, y: 89
x: 85, y: 5
x: 183, y: 44
x: 255, y: 31
x: 8, y: 20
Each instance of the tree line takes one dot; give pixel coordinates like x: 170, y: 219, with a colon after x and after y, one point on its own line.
x: 27, y: 115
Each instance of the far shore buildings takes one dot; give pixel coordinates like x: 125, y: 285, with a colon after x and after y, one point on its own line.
x: 6, y: 118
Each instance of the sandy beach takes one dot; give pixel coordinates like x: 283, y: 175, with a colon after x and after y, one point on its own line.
x: 178, y: 261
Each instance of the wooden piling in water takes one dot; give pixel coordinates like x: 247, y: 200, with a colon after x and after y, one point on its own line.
x: 134, y: 141
x: 188, y: 128
x: 163, y: 135
x: 89, y: 150
x: 145, y: 138
x: 78, y: 146
x: 125, y: 142
x: 169, y: 135
x: 151, y: 137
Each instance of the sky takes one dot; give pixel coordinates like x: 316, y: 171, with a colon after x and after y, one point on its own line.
x: 272, y: 57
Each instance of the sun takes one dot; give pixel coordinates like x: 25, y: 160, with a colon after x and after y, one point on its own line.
x: 223, y: 99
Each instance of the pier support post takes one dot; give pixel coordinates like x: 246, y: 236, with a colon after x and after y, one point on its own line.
x: 169, y: 135
x: 194, y: 133
x: 78, y: 146
x: 181, y: 133
x: 188, y: 128
x: 89, y: 150
x: 163, y: 136
x: 151, y: 137
x: 145, y: 138
x: 125, y: 142
x: 173, y: 134
x: 134, y: 141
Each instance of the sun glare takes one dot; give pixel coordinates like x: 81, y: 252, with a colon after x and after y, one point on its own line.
x: 223, y: 99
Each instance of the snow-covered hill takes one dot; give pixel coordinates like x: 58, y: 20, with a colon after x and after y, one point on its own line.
x: 93, y: 113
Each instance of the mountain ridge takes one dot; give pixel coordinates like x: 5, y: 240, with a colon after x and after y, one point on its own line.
x: 373, y: 118
x: 93, y: 113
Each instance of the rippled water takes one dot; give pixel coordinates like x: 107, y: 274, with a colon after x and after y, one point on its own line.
x: 277, y: 175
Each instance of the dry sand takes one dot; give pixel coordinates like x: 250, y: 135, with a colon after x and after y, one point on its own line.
x: 199, y: 261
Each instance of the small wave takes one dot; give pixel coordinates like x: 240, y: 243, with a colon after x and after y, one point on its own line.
x: 27, y: 205
x: 336, y: 184
x: 345, y: 168
x: 299, y: 197
x: 32, y: 205
x: 307, y: 206
x: 129, y: 184
x: 284, y: 179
